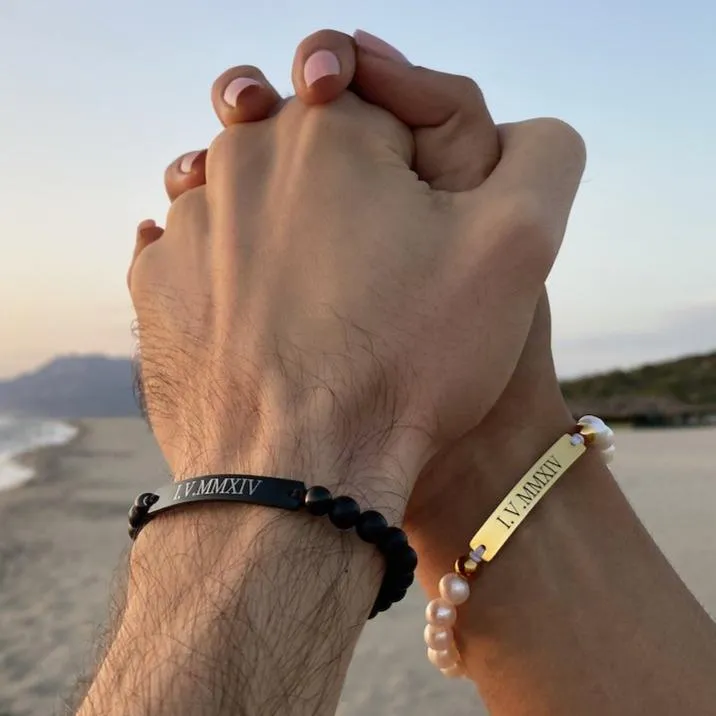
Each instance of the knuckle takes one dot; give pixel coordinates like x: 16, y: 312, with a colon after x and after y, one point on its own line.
x: 239, y: 150
x: 524, y: 228
x: 563, y: 135
x: 140, y: 272
x: 468, y: 87
x: 467, y: 98
x: 219, y: 149
x: 234, y: 141
x: 348, y: 116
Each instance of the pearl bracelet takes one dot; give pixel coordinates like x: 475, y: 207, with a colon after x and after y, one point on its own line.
x: 454, y: 587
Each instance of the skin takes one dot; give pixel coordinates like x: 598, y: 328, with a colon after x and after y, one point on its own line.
x: 523, y: 638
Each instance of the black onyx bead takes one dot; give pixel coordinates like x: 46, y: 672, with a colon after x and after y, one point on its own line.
x: 404, y: 559
x: 344, y: 513
x: 398, y: 595
x: 371, y: 526
x: 392, y: 542
x: 318, y: 501
x: 399, y: 581
x: 136, y: 515
x: 145, y: 500
x: 383, y: 601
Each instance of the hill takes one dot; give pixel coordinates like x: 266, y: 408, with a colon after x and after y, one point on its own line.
x: 682, y: 390
x: 71, y: 387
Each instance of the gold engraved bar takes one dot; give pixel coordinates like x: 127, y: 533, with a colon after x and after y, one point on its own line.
x: 510, y: 513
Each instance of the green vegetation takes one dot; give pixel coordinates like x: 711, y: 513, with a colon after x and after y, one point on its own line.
x: 688, y: 381
x: 678, y: 392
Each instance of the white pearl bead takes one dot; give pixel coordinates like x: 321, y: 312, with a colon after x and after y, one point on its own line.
x: 440, y: 613
x: 454, y: 588
x: 604, y: 440
x: 608, y: 454
x: 443, y: 659
x: 438, y: 638
x: 453, y: 672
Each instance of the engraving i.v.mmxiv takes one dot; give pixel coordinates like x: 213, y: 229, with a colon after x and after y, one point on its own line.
x: 531, y: 490
x: 217, y: 486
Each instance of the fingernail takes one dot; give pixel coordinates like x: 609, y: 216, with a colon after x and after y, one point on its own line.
x: 146, y: 224
x: 187, y: 161
x: 320, y: 64
x: 236, y: 87
x: 376, y: 46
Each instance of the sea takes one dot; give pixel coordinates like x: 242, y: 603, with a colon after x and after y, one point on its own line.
x: 21, y: 435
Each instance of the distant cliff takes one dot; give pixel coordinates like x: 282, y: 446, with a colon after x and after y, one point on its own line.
x: 682, y: 390
x: 85, y: 386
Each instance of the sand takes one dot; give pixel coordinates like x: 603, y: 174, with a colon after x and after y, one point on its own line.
x: 62, y: 534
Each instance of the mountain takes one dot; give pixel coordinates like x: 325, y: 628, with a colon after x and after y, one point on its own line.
x: 72, y: 387
x: 77, y: 386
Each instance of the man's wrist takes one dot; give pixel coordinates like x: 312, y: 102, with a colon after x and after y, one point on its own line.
x: 376, y: 467
x: 200, y: 541
x: 245, y: 595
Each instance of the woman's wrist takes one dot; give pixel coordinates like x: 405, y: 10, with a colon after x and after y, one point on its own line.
x: 569, y: 617
x: 486, y: 463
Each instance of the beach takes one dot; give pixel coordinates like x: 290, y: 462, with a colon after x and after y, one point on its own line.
x: 63, y: 532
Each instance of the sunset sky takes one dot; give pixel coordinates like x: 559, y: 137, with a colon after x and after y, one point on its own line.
x: 97, y: 97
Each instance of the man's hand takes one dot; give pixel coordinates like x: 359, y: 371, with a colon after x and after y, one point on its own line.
x: 251, y: 612
x: 408, y: 326
x: 313, y: 309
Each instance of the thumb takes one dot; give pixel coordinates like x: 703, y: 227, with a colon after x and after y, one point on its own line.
x: 528, y: 198
x: 457, y: 142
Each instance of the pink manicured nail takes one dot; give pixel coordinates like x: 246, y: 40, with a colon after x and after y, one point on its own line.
x: 376, y: 46
x: 236, y: 87
x: 320, y: 64
x: 187, y: 161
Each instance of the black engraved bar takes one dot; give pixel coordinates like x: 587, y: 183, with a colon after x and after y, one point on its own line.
x: 249, y: 489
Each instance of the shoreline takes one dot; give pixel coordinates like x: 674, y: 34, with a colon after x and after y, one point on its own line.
x: 65, y: 535
x: 64, y: 543
x: 43, y: 460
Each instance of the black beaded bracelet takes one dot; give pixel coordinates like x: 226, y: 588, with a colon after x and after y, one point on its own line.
x: 343, y: 512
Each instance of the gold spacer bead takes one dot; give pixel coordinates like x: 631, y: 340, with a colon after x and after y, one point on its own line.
x: 587, y: 432
x: 466, y: 567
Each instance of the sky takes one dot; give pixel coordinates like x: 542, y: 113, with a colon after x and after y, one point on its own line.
x: 97, y: 97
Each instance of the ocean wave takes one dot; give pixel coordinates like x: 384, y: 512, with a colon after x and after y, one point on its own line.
x: 21, y: 435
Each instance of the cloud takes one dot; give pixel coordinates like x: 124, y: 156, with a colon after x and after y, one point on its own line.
x: 685, y: 331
